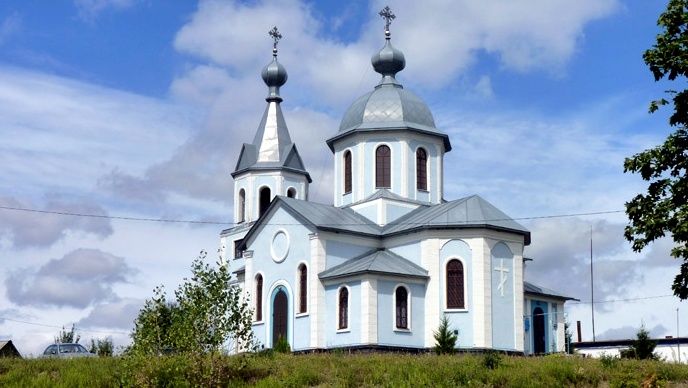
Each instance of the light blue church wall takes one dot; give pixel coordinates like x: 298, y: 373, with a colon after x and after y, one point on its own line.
x: 431, y: 194
x: 296, y: 184
x: 410, y: 251
x: 396, y: 211
x: 370, y: 146
x: 502, y: 274
x: 368, y: 211
x: 461, y: 320
x: 352, y: 335
x: 338, y: 252
x: 341, y: 147
x: 276, y: 274
x: 386, y: 319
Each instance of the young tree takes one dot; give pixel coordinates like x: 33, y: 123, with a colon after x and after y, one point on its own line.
x: 207, y: 312
x: 102, y: 347
x: 68, y: 337
x: 445, y: 339
x: 643, y: 347
x: 663, y: 209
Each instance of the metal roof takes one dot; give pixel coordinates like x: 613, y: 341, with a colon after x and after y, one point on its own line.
x: 530, y: 288
x: 386, y: 194
x: 468, y: 212
x: 464, y: 213
x: 380, y: 261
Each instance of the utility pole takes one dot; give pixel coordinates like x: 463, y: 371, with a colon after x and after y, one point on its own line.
x: 592, y: 289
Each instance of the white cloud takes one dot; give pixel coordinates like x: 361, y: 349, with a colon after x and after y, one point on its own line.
x: 78, y: 279
x: 119, y: 314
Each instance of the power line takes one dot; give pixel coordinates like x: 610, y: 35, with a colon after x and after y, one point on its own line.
x: 62, y: 327
x: 181, y: 221
x: 623, y: 300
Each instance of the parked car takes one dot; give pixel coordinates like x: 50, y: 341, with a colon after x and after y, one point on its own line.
x: 67, y: 351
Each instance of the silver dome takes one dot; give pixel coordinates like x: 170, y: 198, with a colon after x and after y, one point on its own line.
x: 389, y: 105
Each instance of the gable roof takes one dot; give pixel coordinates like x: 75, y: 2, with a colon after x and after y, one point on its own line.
x: 7, y: 349
x: 379, y: 261
x: 322, y: 217
x: 532, y: 289
x: 468, y: 212
x: 386, y: 194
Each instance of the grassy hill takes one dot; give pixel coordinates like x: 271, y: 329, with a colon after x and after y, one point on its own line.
x: 341, y: 370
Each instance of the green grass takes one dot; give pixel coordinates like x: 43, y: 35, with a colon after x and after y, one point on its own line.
x: 339, y: 370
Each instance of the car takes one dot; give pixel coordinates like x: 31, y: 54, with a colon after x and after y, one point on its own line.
x: 63, y: 350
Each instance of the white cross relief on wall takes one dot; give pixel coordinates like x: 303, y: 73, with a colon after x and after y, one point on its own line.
x: 502, y: 276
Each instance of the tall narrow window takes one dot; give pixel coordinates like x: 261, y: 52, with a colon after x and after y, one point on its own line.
x: 264, y: 200
x: 242, y: 205
x: 303, y: 288
x: 455, y: 296
x: 401, y: 302
x: 291, y: 193
x: 259, y: 298
x: 383, y: 167
x: 238, y: 253
x: 421, y: 169
x: 347, y: 172
x: 343, y: 308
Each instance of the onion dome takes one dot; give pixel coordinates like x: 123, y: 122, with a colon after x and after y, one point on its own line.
x: 389, y: 106
x: 274, y: 74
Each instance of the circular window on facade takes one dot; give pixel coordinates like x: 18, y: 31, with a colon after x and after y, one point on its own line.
x: 280, y: 246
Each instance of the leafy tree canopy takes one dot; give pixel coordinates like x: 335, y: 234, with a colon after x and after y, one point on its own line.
x: 207, y: 312
x: 663, y: 209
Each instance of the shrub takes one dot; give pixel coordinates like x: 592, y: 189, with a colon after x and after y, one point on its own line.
x: 282, y: 346
x: 445, y: 339
x: 643, y: 347
x: 608, y: 360
x: 492, y: 360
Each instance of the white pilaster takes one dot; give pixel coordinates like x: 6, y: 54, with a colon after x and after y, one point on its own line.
x: 518, y: 302
x: 368, y: 310
x: 430, y: 260
x: 317, y: 292
x: 359, y: 193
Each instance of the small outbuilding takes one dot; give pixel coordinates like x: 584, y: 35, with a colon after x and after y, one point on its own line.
x: 7, y: 349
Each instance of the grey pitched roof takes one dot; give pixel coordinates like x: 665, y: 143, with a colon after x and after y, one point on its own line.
x: 384, y: 193
x: 381, y: 262
x: 323, y: 217
x: 272, y: 147
x: 468, y: 212
x: 530, y: 288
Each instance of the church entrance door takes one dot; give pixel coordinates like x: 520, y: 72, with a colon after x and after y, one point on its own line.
x: 538, y: 331
x: 279, y: 316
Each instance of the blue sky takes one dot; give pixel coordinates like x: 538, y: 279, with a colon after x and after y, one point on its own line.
x: 138, y: 107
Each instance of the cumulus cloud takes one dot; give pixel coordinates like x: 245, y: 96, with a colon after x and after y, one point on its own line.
x: 119, y: 314
x: 79, y: 279
x: 29, y: 229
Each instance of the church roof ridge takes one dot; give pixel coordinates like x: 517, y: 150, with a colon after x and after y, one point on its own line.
x: 387, y: 194
x: 531, y: 288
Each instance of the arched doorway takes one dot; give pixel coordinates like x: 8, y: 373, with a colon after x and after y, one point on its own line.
x: 538, y: 331
x: 280, y: 312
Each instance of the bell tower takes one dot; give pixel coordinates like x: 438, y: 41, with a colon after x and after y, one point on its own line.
x: 271, y: 164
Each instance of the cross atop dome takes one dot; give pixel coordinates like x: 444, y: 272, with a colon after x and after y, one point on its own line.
x: 276, y: 36
x: 388, y: 15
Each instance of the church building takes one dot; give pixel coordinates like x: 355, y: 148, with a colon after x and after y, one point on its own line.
x: 379, y: 267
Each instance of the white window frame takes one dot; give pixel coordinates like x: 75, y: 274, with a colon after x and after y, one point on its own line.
x: 348, y: 309
x: 408, y: 309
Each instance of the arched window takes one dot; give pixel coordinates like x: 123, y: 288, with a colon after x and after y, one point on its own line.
x: 347, y: 172
x: 264, y: 200
x: 242, y: 205
x: 259, y: 298
x: 421, y: 169
x: 291, y: 193
x: 402, y: 307
x: 303, y: 288
x: 343, y: 308
x: 455, y: 296
x: 383, y: 168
